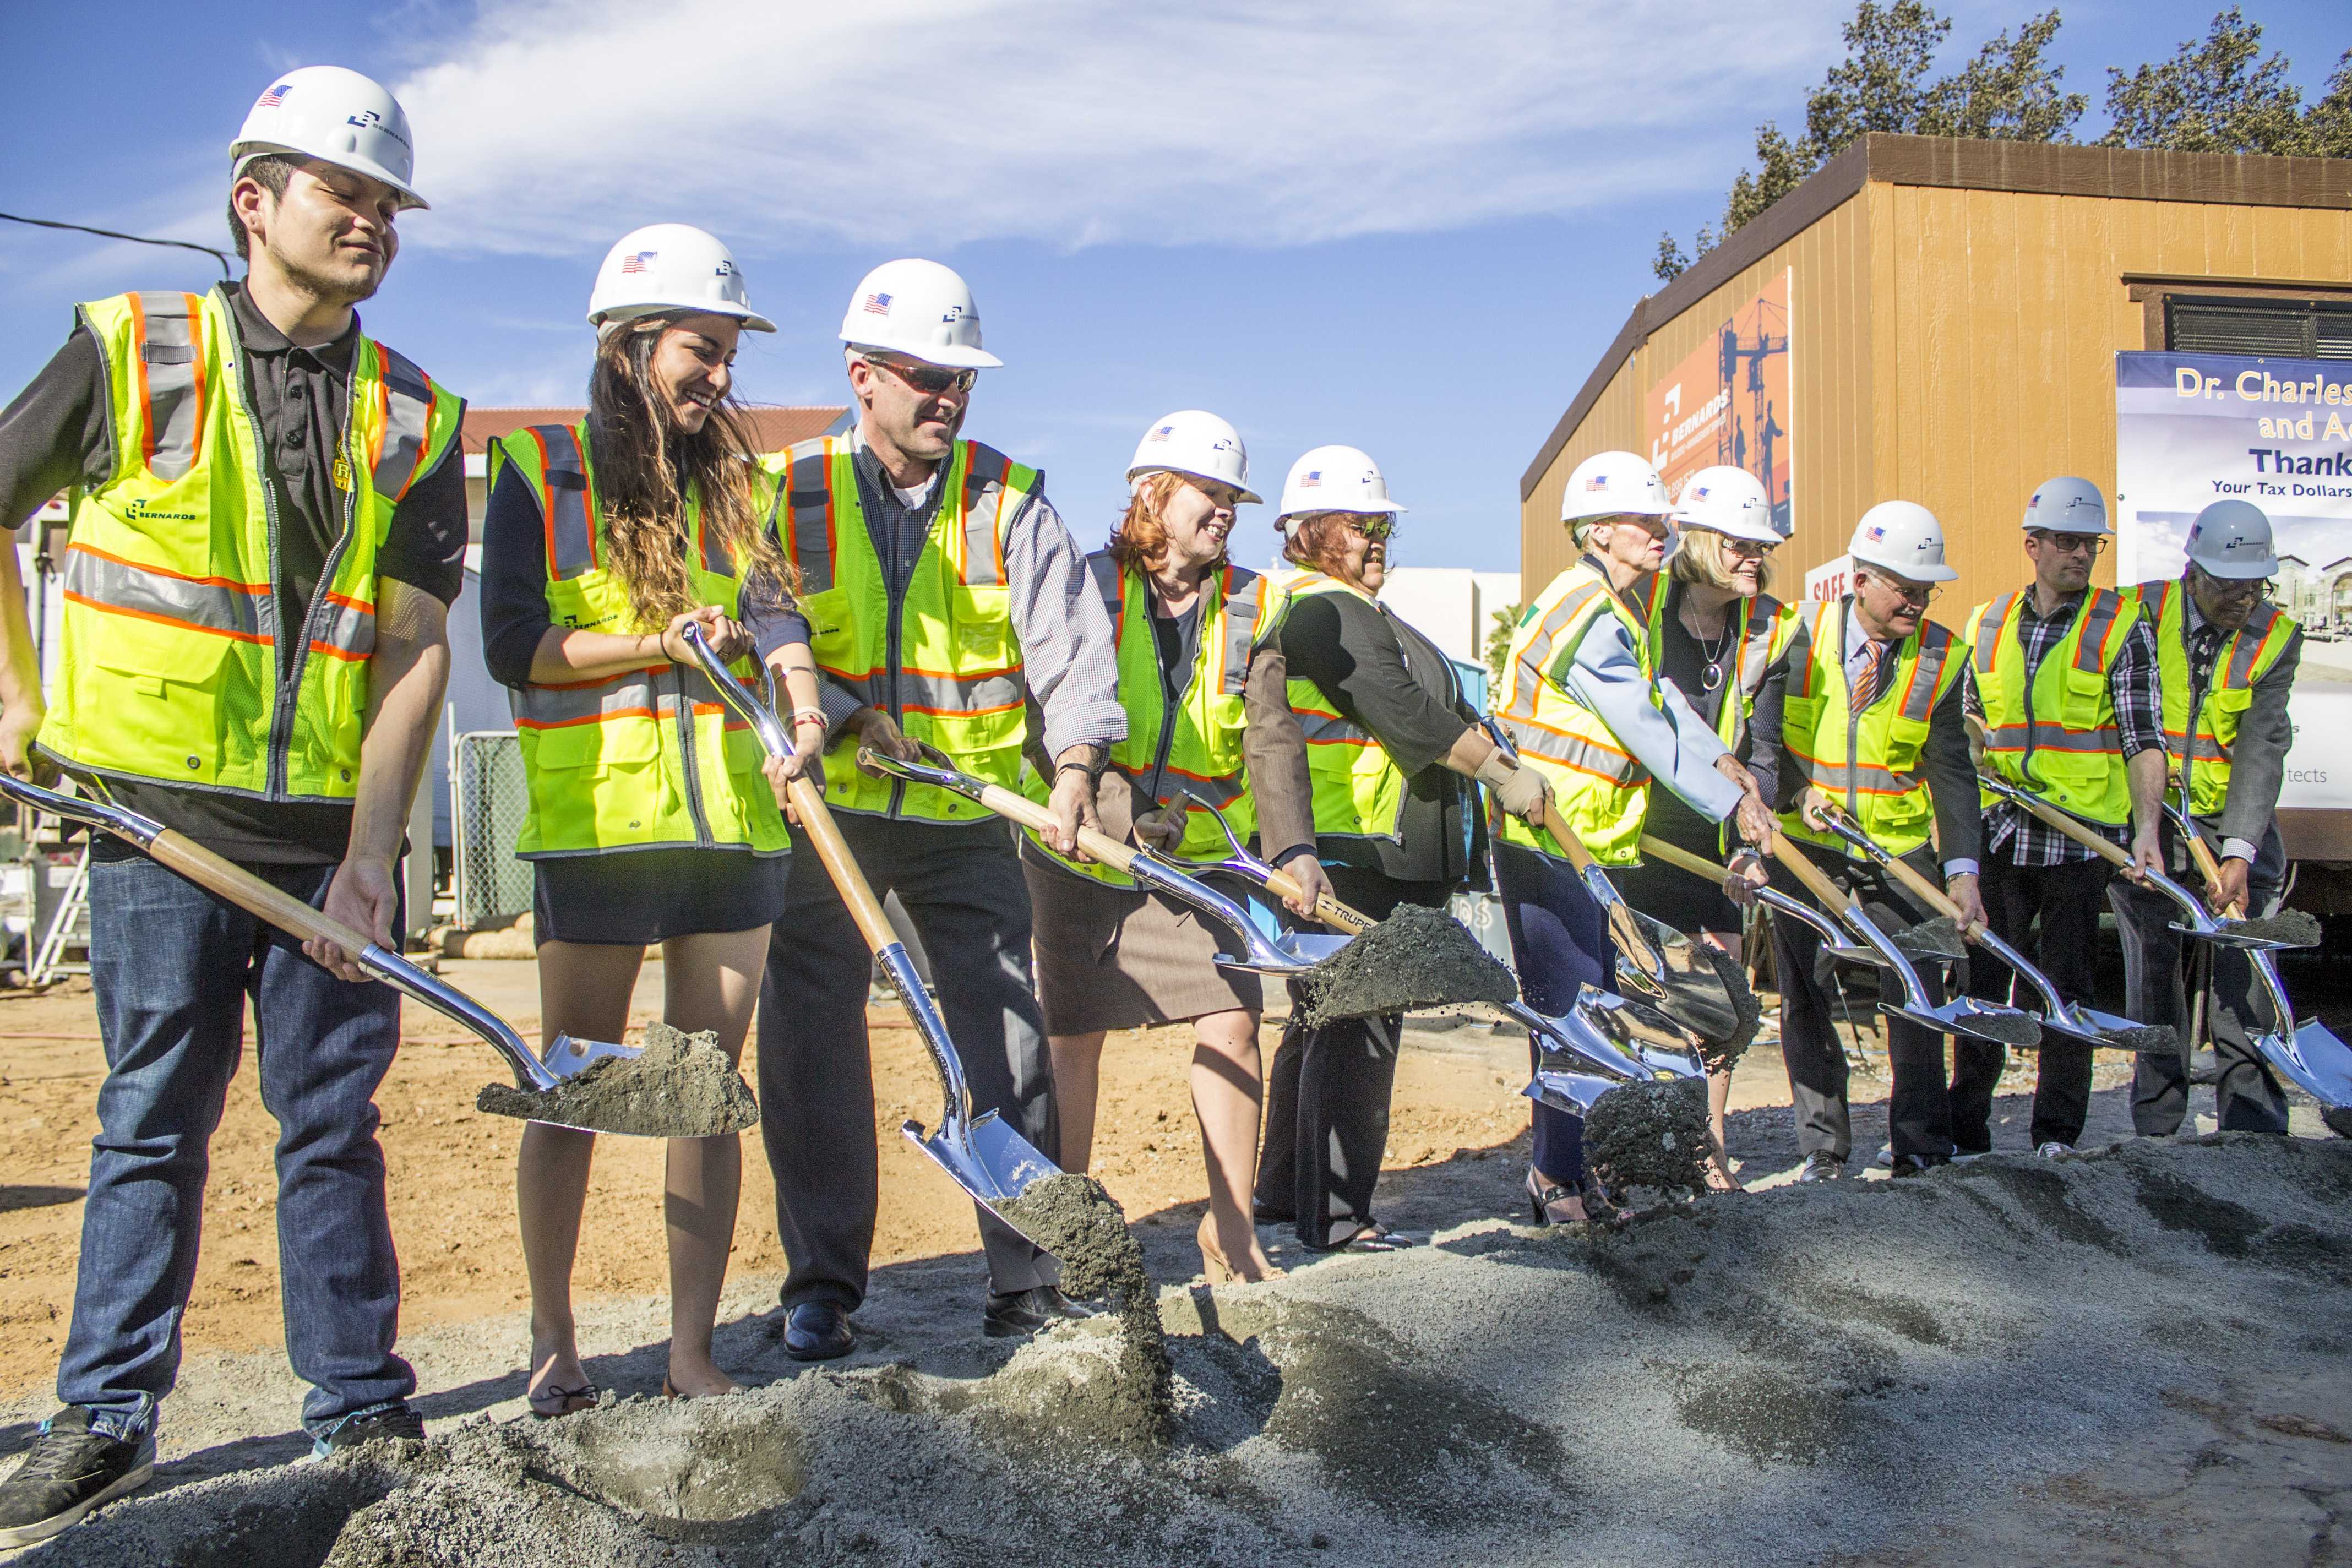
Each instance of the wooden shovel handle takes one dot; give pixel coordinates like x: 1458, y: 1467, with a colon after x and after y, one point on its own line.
x: 249, y: 892
x: 2209, y: 866
x: 1682, y: 859
x: 2072, y: 829
x: 824, y: 838
x: 1327, y: 909
x: 1934, y: 896
x: 1622, y: 927
x: 1801, y: 866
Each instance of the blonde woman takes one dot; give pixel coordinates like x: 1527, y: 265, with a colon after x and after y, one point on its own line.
x: 651, y: 822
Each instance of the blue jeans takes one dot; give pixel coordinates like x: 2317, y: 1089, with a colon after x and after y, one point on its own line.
x: 1559, y: 941
x: 172, y: 967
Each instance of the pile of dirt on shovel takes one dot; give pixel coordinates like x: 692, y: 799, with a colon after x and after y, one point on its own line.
x: 2080, y: 1360
x: 1416, y: 958
x: 683, y: 1086
x: 1075, y: 1219
x: 1649, y: 1135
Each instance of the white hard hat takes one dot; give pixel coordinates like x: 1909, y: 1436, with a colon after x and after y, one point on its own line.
x: 1193, y: 441
x: 1613, y: 484
x: 919, y: 308
x: 2067, y: 505
x: 670, y: 267
x: 1903, y: 537
x: 1728, y: 501
x: 1334, y: 478
x: 2231, y: 539
x: 336, y: 116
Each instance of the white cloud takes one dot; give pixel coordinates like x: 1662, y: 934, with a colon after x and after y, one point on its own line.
x: 935, y: 122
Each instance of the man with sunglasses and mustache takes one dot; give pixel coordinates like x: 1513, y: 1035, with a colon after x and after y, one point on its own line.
x: 2063, y: 679
x: 2229, y: 660
x: 946, y: 605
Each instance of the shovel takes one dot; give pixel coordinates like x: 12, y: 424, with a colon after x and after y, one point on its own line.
x: 2309, y: 1053
x: 1667, y: 970
x: 982, y: 1154
x: 2080, y: 1025
x: 1962, y: 1016
x: 565, y: 1058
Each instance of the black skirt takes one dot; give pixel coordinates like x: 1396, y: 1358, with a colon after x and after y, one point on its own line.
x: 636, y: 898
x: 1683, y: 902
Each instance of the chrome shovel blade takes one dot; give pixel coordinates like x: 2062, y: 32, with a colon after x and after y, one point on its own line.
x: 2314, y: 1059
x: 987, y: 1158
x: 2220, y: 935
x: 1292, y: 952
x: 1969, y: 1016
x: 568, y: 1057
x: 1572, y: 1092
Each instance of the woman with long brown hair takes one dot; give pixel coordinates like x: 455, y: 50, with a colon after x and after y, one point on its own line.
x: 1109, y: 954
x: 653, y: 820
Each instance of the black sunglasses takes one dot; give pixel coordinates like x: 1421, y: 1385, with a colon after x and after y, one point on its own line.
x: 930, y: 380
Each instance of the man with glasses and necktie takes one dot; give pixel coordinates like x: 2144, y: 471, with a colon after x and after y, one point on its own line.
x: 2228, y: 660
x: 947, y: 604
x: 1872, y: 723
x: 2063, y: 677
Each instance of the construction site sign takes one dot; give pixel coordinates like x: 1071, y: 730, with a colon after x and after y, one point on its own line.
x: 1728, y: 403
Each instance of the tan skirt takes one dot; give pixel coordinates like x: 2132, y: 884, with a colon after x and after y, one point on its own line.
x: 1117, y: 958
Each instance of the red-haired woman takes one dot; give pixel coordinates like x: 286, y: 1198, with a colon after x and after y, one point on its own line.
x: 651, y: 822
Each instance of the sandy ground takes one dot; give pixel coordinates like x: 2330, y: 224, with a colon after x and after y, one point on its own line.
x: 2133, y: 1389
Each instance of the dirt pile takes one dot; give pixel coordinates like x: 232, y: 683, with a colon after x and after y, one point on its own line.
x: 1649, y: 1135
x: 1859, y: 1372
x: 2293, y: 928
x: 1416, y: 958
x: 1073, y: 1218
x: 683, y: 1086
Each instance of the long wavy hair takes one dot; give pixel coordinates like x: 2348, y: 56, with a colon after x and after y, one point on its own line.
x: 645, y: 466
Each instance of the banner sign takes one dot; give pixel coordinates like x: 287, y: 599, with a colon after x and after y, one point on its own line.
x: 1728, y: 403
x: 1832, y: 579
x: 2193, y: 430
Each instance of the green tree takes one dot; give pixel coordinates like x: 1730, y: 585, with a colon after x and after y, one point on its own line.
x: 2330, y: 119
x: 2008, y: 93
x: 2222, y: 95
x: 1881, y: 85
x: 1670, y: 263
x: 1499, y: 649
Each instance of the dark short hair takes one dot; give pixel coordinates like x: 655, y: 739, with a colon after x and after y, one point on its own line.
x: 271, y: 172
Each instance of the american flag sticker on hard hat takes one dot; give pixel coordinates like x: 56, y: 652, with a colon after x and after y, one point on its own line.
x: 876, y: 305
x: 1876, y: 532
x: 1597, y: 482
x: 274, y: 97
x: 640, y: 261
x: 1161, y: 434
x: 1310, y: 479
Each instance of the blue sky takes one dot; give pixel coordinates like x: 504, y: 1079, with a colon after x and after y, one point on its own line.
x: 1407, y: 226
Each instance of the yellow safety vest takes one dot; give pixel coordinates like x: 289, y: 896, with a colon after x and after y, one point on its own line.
x: 1189, y: 749
x: 1601, y: 792
x: 1358, y: 792
x: 2056, y: 735
x: 170, y: 665
x: 947, y: 666
x: 2245, y: 657
x: 650, y: 758
x: 1869, y: 760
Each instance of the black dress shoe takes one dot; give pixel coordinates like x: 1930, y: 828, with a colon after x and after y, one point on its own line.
x: 1264, y: 1213
x: 818, y: 1330
x: 1918, y: 1164
x: 1821, y: 1166
x: 1021, y: 1313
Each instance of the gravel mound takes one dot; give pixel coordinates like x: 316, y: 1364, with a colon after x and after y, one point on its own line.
x: 1847, y: 1372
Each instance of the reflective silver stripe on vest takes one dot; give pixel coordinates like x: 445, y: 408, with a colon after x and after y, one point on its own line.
x: 626, y: 695
x: 1863, y: 776
x: 1327, y: 729
x: 716, y: 560
x: 349, y: 631
x: 571, y: 537
x: 1241, y: 627
x: 955, y: 695
x: 1988, y: 635
x: 1537, y: 653
x: 1572, y: 751
x: 407, y: 420
x: 171, y: 353
x: 985, y: 473
x: 2100, y: 613
x: 1935, y: 648
x: 1219, y: 792
x: 1104, y: 568
x: 214, y: 605
x: 1755, y: 653
x: 804, y: 500
x: 2249, y: 647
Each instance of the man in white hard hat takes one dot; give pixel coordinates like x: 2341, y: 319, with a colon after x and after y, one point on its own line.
x: 270, y: 523
x: 2063, y: 677
x: 1873, y: 724
x: 1584, y: 704
x: 947, y: 604
x: 2229, y: 660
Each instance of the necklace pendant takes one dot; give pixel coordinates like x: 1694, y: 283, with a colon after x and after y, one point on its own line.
x: 1713, y: 678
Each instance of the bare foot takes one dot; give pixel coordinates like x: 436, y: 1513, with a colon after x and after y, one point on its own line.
x: 559, y: 1383
x: 1231, y: 1249
x: 696, y: 1379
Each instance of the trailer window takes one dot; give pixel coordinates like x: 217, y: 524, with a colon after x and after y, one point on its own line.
x: 2288, y: 328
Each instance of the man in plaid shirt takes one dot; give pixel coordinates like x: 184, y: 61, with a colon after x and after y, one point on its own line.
x: 2064, y: 679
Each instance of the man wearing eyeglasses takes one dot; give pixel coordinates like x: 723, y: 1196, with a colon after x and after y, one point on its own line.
x: 1872, y: 721
x: 2229, y: 660
x: 2063, y: 681
x: 945, y: 601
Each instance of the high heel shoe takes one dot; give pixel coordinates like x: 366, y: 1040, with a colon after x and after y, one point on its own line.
x: 1215, y: 1267
x: 1548, y: 1202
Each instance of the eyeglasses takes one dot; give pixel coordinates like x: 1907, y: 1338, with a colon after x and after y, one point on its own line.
x: 1748, y: 549
x: 2068, y: 543
x: 930, y: 380
x: 1909, y: 593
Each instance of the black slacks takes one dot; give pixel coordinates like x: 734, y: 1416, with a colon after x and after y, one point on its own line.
x: 2066, y: 898
x: 1918, y: 1114
x: 1326, y: 1093
x: 961, y: 886
x: 2247, y: 1098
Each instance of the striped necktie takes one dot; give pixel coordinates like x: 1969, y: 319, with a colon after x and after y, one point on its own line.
x: 1871, y: 683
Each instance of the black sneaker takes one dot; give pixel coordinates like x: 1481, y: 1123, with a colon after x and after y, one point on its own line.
x: 397, y: 1422
x: 69, y: 1470
x: 1023, y: 1312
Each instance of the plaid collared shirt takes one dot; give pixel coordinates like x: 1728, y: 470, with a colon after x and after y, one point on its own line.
x: 2027, y: 840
